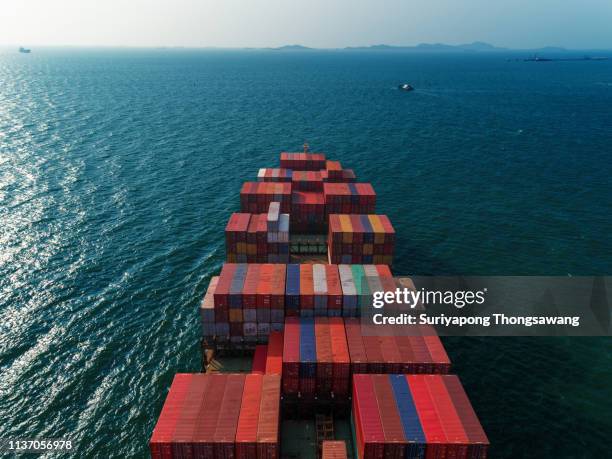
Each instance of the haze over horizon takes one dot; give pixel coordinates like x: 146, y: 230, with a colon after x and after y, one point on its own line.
x: 518, y: 24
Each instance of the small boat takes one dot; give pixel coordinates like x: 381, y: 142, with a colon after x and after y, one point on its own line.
x: 24, y: 50
x: 405, y: 87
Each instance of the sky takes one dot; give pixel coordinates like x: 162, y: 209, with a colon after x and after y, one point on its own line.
x: 316, y: 23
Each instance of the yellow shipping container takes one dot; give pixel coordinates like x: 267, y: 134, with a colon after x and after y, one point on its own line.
x: 379, y: 231
x: 235, y: 315
x: 347, y: 229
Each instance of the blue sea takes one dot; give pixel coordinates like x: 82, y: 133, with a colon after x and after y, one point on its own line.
x: 119, y: 168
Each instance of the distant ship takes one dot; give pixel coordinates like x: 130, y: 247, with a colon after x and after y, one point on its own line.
x: 405, y: 87
x: 25, y: 50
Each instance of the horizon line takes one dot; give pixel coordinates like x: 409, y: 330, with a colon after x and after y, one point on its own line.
x: 306, y: 47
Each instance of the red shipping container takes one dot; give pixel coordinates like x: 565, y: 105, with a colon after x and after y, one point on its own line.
x: 209, y: 408
x: 291, y: 356
x: 404, y: 347
x: 160, y: 444
x: 259, y: 359
x: 246, y: 432
x: 437, y: 352
x: 359, y: 359
x: 366, y: 417
x: 479, y: 442
x: 340, y: 356
x: 334, y: 289
x: 306, y: 287
x: 392, y: 360
x: 395, y: 442
x: 324, y: 357
x: 457, y: 439
x: 358, y: 229
x: 376, y: 361
x: 262, y: 229
x: 384, y: 271
x: 227, y: 421
x: 223, y: 287
x: 264, y: 286
x: 277, y: 290
x: 185, y: 430
x: 424, y: 363
x: 334, y: 169
x: 237, y: 223
x: 430, y: 421
x: 249, y: 291
x: 274, y: 360
x: 269, y: 419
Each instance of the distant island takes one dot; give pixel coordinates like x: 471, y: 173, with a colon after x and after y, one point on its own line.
x: 474, y: 47
x: 292, y: 48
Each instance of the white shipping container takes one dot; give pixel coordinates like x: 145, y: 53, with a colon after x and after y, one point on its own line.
x: 273, y: 216
x: 319, y: 279
x: 373, y: 278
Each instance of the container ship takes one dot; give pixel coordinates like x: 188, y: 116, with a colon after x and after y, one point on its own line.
x: 287, y: 370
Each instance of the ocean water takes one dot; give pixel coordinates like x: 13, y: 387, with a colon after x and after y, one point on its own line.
x: 119, y: 168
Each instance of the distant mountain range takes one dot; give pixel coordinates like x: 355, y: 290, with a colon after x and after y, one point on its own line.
x: 477, y: 46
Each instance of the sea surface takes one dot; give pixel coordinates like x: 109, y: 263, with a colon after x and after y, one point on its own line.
x: 119, y: 168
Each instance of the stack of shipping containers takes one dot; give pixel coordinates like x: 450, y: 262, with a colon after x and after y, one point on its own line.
x: 258, y: 238
x: 307, y: 181
x: 277, y: 235
x: 360, y: 239
x: 411, y: 353
x: 303, y: 161
x: 415, y: 416
x: 404, y: 404
x: 316, y: 358
x: 215, y: 415
x: 274, y: 175
x: 207, y: 311
x: 334, y: 170
x: 308, y: 212
x: 255, y: 197
x: 349, y: 198
x: 347, y: 175
x: 249, y: 302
